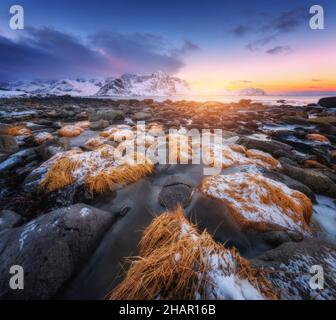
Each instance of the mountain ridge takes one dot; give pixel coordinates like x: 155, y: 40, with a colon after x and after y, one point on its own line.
x: 127, y: 85
x: 155, y: 84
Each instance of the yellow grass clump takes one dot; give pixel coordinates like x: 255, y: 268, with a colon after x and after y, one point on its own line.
x: 177, y: 263
x: 111, y: 131
x: 124, y: 174
x: 121, y: 134
x: 94, y: 143
x: 70, y: 131
x: 263, y: 156
x: 96, y: 169
x: 18, y: 131
x: 238, y: 148
x: 317, y: 137
x: 234, y: 154
x: 314, y: 164
x: 259, y: 203
x: 59, y: 175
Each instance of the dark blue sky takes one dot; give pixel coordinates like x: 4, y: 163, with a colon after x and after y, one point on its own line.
x: 91, y: 37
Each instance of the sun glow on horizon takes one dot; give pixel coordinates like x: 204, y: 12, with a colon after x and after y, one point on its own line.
x: 307, y: 69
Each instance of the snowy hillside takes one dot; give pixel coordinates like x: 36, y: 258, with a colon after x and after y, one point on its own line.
x: 156, y: 84
x: 77, y: 87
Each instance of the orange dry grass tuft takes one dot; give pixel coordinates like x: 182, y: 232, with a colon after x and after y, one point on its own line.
x: 306, y: 205
x: 99, y: 183
x: 269, y: 197
x: 264, y: 157
x: 317, y: 137
x: 124, y: 174
x: 233, y: 154
x: 105, y: 134
x: 18, y: 131
x: 70, y: 131
x: 97, y: 169
x: 59, y: 175
x: 82, y: 124
x: 313, y: 164
x: 276, y: 196
x: 158, y: 274
x: 238, y: 148
x: 96, y: 142
x: 121, y: 135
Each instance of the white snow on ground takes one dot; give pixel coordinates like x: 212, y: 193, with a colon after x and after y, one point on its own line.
x: 259, y: 136
x: 222, y: 280
x: 294, y: 277
x: 245, y: 196
x: 10, y: 93
x: 85, y: 212
x: 27, y: 230
x: 90, y: 163
x: 229, y: 154
x: 16, y: 113
x: 325, y: 215
x: 224, y: 283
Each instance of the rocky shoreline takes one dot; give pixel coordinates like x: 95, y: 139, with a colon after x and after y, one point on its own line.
x: 65, y: 227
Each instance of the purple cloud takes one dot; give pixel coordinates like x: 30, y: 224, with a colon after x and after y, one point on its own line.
x: 284, y: 50
x: 240, y: 30
x: 49, y: 54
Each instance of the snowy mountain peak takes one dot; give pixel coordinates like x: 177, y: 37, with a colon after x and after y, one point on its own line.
x: 156, y: 84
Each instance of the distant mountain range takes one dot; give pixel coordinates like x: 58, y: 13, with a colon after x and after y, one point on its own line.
x: 155, y: 84
x: 244, y: 92
x: 77, y: 87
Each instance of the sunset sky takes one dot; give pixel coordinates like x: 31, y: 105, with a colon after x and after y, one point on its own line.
x: 212, y: 44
